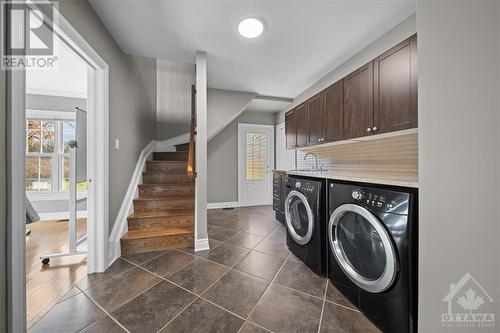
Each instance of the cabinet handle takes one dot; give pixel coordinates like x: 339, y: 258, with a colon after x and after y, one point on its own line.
x: 375, y: 128
x: 368, y: 129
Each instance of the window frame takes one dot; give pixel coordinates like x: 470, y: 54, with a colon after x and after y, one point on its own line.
x: 57, y: 192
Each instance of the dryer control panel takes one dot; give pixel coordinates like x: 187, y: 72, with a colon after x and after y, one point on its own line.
x: 373, y: 198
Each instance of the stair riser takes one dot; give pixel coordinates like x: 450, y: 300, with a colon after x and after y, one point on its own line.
x: 182, y: 147
x: 166, y: 166
x: 170, y: 156
x: 156, y: 205
x: 164, y: 191
x: 131, y: 246
x: 160, y: 178
x: 160, y: 222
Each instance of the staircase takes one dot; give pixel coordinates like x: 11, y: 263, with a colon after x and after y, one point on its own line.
x: 164, y: 211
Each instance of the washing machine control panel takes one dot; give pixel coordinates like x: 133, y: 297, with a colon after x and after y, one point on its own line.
x: 381, y: 200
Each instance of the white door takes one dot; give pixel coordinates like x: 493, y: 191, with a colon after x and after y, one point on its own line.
x: 285, y: 159
x: 255, y: 164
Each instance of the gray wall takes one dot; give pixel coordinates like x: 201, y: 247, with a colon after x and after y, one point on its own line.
x: 223, y: 158
x: 397, y: 34
x: 174, y: 98
x: 132, y: 102
x: 459, y: 154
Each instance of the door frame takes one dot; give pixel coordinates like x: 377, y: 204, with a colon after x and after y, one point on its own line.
x: 97, y: 168
x: 242, y: 126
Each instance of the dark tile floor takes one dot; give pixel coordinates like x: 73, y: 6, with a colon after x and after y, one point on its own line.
x: 247, y: 282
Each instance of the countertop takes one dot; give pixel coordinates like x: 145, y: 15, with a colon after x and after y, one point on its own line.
x: 394, y: 180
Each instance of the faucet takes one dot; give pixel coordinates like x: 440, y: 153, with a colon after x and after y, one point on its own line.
x: 315, y: 156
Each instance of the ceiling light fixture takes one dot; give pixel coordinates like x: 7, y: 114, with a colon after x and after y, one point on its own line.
x: 250, y: 28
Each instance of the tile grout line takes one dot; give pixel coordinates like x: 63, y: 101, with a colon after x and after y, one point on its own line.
x: 107, y: 314
x: 268, y: 286
x: 323, y: 307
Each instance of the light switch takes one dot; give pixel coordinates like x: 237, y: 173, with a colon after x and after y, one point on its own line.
x: 117, y: 144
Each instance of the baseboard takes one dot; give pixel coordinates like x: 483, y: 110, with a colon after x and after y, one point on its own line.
x: 218, y: 205
x: 201, y: 245
x: 61, y: 215
x: 120, y: 227
x: 169, y: 144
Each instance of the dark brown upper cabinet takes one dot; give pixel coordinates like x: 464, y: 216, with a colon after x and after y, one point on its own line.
x: 334, y: 112
x: 316, y: 118
x: 358, y: 102
x: 302, y: 125
x: 395, y: 88
x: 291, y: 129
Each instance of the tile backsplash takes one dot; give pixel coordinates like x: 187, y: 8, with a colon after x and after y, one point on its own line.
x: 393, y: 156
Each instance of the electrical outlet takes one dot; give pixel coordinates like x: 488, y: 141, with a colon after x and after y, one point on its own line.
x: 117, y: 144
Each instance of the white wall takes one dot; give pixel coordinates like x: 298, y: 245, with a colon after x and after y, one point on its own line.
x: 224, y: 106
x: 174, y: 81
x: 459, y: 153
x: 403, y: 30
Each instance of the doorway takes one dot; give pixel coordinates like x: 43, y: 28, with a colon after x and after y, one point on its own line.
x: 255, y: 164
x: 97, y: 161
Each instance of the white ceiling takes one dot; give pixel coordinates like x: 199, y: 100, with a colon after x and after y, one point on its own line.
x: 267, y: 105
x: 68, y: 78
x: 303, y: 39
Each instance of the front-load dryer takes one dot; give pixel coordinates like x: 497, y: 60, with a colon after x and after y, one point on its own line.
x: 305, y: 221
x: 372, y: 252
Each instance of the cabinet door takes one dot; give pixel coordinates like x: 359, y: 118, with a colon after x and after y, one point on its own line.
x: 395, y: 88
x: 316, y: 117
x: 334, y: 111
x: 291, y: 129
x: 302, y: 125
x: 358, y: 102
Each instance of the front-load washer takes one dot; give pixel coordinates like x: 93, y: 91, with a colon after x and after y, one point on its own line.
x: 305, y: 208
x: 372, y: 257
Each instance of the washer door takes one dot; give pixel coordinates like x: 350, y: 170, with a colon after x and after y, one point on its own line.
x: 299, y: 217
x: 362, y: 247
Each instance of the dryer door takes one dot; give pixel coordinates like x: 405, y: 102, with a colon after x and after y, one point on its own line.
x: 362, y: 247
x: 299, y: 217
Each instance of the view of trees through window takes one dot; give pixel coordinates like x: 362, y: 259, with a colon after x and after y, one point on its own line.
x: 47, y: 155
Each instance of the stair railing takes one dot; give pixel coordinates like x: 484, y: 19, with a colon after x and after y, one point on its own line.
x: 191, y: 165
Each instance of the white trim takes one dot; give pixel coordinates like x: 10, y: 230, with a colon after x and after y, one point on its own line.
x: 120, y: 227
x: 240, y: 171
x: 227, y: 204
x: 97, y: 167
x: 50, y: 196
x: 48, y: 92
x: 169, y: 144
x: 61, y: 215
x: 16, y: 202
x: 201, y: 245
x: 50, y: 114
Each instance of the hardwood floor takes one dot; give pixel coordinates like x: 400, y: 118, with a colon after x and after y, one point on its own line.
x: 47, y: 284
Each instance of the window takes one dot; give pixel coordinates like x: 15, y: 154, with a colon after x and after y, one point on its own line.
x: 256, y: 160
x: 47, y: 154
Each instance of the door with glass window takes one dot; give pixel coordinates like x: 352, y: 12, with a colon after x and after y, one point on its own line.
x: 256, y: 161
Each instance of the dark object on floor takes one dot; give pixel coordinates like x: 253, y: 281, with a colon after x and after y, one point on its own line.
x: 28, y: 232
x: 306, y: 221
x: 372, y: 256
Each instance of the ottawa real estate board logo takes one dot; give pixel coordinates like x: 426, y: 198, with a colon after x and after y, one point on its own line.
x: 468, y: 305
x: 27, y: 38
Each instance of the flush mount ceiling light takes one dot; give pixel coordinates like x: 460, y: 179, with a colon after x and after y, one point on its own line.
x: 250, y: 28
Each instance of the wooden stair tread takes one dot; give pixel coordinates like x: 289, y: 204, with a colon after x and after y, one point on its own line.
x: 166, y: 198
x: 148, y: 233
x: 162, y: 213
x: 173, y: 172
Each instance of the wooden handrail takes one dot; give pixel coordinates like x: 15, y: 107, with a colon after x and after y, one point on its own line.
x: 191, y: 165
